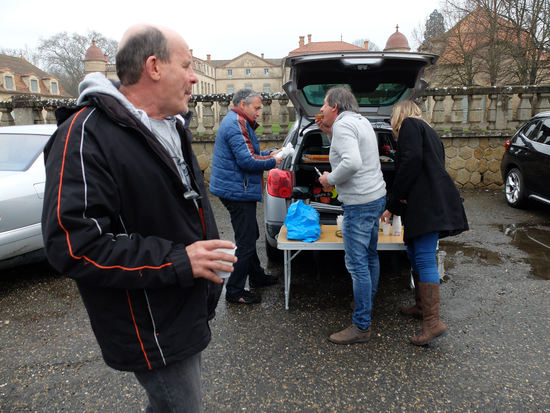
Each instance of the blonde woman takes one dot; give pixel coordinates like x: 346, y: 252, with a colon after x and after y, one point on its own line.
x: 426, y: 198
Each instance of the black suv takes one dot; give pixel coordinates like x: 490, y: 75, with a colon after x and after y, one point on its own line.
x: 525, y: 166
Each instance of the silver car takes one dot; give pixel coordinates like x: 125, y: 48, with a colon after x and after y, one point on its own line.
x: 22, y: 180
x: 378, y: 80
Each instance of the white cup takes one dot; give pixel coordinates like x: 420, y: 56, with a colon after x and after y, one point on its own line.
x: 339, y: 220
x: 386, y: 228
x: 223, y: 274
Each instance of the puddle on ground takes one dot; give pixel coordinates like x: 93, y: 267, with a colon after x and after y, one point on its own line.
x: 530, y: 239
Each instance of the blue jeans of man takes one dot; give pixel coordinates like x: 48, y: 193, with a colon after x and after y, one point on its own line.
x: 421, y: 253
x: 245, y: 227
x: 175, y: 388
x: 360, y: 235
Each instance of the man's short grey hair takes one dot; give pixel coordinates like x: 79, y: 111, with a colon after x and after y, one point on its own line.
x: 247, y: 95
x: 131, y: 58
x: 344, y: 98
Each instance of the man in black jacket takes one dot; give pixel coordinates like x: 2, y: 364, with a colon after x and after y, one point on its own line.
x: 126, y: 215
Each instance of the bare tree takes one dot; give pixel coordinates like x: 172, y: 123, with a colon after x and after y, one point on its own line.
x: 31, y: 55
x: 63, y: 55
x: 361, y: 43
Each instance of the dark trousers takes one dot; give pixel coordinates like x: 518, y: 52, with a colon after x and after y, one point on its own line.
x: 245, y: 227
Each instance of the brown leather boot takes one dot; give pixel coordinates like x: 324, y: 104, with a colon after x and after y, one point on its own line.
x: 432, y: 326
x: 414, y: 310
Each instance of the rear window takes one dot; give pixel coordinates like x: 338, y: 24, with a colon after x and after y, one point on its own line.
x: 18, y: 152
x: 385, y: 94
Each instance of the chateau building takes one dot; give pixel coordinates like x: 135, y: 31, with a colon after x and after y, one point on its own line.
x: 19, y: 77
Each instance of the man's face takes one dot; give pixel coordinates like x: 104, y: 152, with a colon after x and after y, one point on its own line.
x: 254, y: 110
x: 177, y: 78
x: 329, y: 113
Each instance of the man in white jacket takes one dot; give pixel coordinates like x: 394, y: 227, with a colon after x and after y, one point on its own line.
x: 361, y: 188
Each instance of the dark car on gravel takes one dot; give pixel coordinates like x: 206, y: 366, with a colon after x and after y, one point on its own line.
x: 525, y: 166
x: 378, y: 80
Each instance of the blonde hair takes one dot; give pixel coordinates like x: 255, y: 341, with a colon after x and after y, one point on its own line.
x: 402, y: 111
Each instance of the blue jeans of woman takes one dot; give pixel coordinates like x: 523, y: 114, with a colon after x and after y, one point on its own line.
x: 422, y: 255
x: 245, y: 227
x: 175, y: 388
x: 360, y: 236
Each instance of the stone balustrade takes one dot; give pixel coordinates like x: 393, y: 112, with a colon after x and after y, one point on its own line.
x: 473, y: 123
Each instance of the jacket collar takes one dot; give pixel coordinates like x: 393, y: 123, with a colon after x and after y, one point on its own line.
x: 253, y: 124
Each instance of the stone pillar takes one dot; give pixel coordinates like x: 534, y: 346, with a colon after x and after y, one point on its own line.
x: 492, y: 111
x: 224, y: 107
x: 193, y: 123
x: 542, y: 103
x: 457, y: 113
x: 422, y: 104
x: 6, y: 119
x: 208, y: 118
x: 284, y: 118
x: 50, y: 114
x: 267, y: 118
x: 475, y: 112
x: 438, y: 118
x: 38, y: 117
x: 524, y: 108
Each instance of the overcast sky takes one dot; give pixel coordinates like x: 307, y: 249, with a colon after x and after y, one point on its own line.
x: 223, y: 29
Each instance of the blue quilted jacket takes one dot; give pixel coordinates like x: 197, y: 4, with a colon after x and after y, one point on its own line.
x: 238, y: 163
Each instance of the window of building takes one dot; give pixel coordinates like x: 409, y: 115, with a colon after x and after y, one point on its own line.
x: 267, y: 88
x: 229, y: 73
x: 266, y: 72
x: 230, y: 89
x: 202, y: 88
x: 34, y: 86
x: 9, y: 82
x: 54, y: 88
x: 247, y: 71
x: 248, y: 87
x: 209, y: 88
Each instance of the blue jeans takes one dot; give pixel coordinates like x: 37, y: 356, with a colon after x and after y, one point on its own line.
x: 245, y: 227
x: 175, y: 388
x: 421, y: 253
x: 360, y: 236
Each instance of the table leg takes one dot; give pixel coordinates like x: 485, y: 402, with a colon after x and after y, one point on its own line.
x: 287, y: 264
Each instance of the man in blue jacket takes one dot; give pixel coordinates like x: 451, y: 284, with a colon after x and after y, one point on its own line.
x: 237, y: 179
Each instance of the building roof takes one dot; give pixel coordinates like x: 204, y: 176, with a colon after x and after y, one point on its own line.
x: 324, y: 47
x: 21, y: 68
x: 94, y: 53
x: 397, y: 42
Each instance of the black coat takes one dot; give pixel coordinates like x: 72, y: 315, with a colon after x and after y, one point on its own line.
x: 433, y: 201
x: 115, y: 220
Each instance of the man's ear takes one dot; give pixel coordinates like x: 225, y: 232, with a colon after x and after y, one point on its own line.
x: 151, y: 68
x: 335, y: 108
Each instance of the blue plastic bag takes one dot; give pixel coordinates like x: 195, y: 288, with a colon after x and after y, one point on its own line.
x: 302, y: 223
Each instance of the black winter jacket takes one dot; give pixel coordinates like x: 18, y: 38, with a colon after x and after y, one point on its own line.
x: 433, y: 201
x: 116, y: 221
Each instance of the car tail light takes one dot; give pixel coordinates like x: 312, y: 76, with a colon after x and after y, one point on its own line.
x: 507, y: 145
x: 280, y: 183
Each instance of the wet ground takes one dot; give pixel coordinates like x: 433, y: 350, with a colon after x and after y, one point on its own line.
x: 263, y: 358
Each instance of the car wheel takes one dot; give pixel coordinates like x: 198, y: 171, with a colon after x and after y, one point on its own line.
x: 273, y: 254
x: 514, y: 188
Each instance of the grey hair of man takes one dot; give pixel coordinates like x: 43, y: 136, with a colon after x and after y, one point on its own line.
x: 247, y: 95
x: 131, y: 57
x: 344, y: 98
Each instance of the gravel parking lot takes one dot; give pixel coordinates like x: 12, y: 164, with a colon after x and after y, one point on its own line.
x: 263, y: 358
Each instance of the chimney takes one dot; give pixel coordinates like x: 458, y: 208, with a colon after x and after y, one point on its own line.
x: 309, y: 38
x: 207, y: 57
x: 301, y: 43
x: 191, y: 51
x: 262, y: 55
x: 367, y: 45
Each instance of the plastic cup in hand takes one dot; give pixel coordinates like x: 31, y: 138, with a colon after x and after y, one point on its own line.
x: 386, y: 228
x: 223, y: 274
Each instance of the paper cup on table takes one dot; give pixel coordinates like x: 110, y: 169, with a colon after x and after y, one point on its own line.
x: 386, y: 228
x: 223, y: 274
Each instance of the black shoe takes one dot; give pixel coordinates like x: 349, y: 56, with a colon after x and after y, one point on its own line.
x: 244, y: 297
x: 263, y: 281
